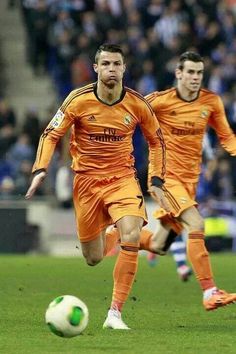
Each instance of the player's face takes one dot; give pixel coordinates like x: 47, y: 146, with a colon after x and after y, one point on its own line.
x: 190, y: 77
x: 110, y: 68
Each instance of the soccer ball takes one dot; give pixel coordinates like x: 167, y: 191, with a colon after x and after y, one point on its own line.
x: 67, y: 316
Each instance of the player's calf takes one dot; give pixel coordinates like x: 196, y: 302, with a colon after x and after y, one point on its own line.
x: 161, y: 243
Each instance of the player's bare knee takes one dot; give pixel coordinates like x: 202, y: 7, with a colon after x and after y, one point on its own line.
x: 92, y: 260
x: 132, y: 236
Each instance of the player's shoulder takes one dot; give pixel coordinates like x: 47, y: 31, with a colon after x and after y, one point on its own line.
x: 206, y: 92
x: 169, y: 91
x: 210, y: 96
x: 160, y: 94
x: 77, y: 94
x: 137, y: 96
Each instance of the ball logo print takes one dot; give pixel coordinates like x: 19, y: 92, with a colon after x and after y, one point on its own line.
x: 67, y: 316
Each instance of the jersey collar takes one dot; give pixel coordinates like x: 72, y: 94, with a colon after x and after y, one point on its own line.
x: 107, y: 104
x: 182, y: 99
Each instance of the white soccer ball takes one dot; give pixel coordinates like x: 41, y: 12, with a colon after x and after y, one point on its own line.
x: 67, y: 316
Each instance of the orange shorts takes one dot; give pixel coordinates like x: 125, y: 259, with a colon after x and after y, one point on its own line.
x: 101, y: 201
x: 180, y: 197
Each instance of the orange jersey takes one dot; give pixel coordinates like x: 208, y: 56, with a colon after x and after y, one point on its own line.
x: 101, y: 134
x: 183, y: 125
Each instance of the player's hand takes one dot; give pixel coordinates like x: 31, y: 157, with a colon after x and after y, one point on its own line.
x: 158, y: 195
x: 36, y: 182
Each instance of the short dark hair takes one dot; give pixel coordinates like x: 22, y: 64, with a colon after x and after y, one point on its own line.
x: 112, y: 48
x: 192, y: 56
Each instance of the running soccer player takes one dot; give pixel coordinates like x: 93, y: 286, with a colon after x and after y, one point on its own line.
x: 178, y: 247
x: 184, y: 112
x: 102, y: 117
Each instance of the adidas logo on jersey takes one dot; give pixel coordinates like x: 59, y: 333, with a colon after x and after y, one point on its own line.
x: 92, y: 119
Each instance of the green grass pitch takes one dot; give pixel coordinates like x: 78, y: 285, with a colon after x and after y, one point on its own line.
x: 166, y: 316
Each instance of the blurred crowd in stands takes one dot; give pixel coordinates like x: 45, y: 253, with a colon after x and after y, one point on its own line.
x: 62, y: 37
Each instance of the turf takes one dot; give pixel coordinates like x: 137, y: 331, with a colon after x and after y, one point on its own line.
x: 166, y: 316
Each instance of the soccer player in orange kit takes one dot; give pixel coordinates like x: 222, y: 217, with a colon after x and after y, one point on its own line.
x: 102, y: 117
x: 184, y: 113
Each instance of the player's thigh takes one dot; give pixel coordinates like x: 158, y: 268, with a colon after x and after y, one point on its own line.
x: 125, y: 198
x: 91, y: 215
x: 180, y: 196
x: 192, y: 220
x: 129, y: 228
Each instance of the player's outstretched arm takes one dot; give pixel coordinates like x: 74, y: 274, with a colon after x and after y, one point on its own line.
x: 158, y: 195
x: 36, y: 182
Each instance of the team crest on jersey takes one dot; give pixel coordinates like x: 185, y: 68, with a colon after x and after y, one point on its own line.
x: 57, y: 119
x: 127, y: 119
x: 204, y: 113
x: 183, y: 200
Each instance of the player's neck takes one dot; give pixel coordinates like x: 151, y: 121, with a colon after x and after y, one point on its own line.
x: 187, y: 95
x: 107, y: 94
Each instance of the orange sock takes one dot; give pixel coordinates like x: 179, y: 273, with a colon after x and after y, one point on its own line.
x: 199, y: 257
x: 112, y: 238
x: 145, y: 239
x: 124, y: 273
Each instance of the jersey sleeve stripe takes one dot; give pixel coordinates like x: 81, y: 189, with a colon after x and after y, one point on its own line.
x: 39, y: 152
x: 151, y: 97
x: 163, y: 147
x: 163, y: 93
x: 140, y: 97
x: 76, y: 93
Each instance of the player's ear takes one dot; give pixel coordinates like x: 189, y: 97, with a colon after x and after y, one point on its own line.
x: 178, y: 74
x: 124, y: 68
x: 95, y: 68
